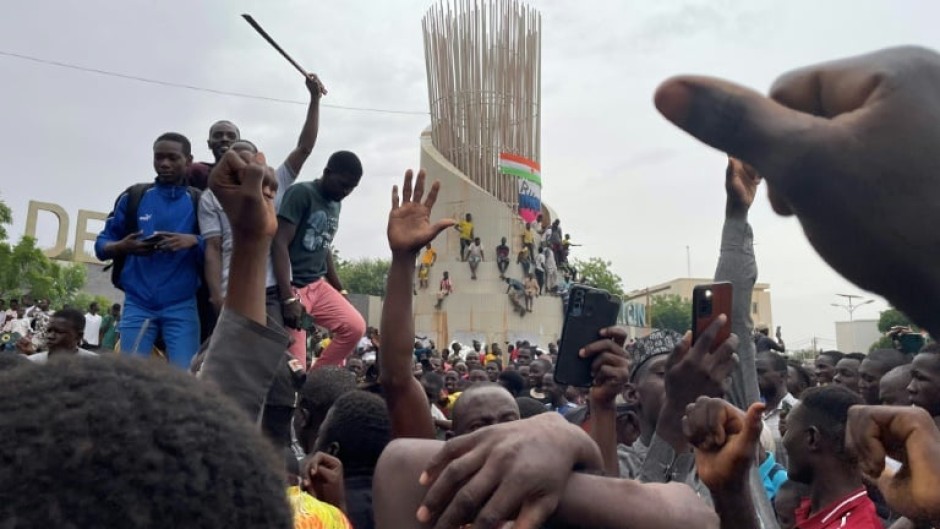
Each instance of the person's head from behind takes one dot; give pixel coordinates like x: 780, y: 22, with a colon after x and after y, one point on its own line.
x: 847, y: 371
x: 798, y: 379
x: 873, y: 367
x: 771, y: 375
x: 529, y: 407
x: 892, y: 388
x: 341, y: 175
x: 43, y: 304
x: 447, y: 276
x: 512, y: 381
x: 826, y: 366
x: 321, y: 389
x: 787, y: 500
x: 925, y: 380
x: 162, y: 447
x: 492, y: 371
x: 815, y: 438
x: 433, y: 384
x: 537, y: 370
x: 172, y: 155
x: 469, y: 217
x: 355, y: 431
x: 482, y: 405
x: 93, y: 307
x: 65, y: 330
x: 116, y: 310
x: 222, y: 134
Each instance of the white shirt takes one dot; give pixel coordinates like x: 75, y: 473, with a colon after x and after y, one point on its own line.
x: 540, y: 262
x: 92, y: 328
x: 43, y: 357
x: 19, y: 326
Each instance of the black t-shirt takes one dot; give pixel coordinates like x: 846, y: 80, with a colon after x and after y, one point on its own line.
x: 359, y: 501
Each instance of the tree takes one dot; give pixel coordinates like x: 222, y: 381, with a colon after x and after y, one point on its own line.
x: 893, y: 318
x: 24, y: 269
x: 672, y: 312
x: 597, y: 273
x: 362, y: 276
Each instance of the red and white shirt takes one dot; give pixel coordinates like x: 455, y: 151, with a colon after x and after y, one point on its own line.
x: 854, y: 511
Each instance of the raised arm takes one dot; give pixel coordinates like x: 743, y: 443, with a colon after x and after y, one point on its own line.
x: 611, y: 370
x: 737, y: 265
x: 308, y: 134
x: 409, y: 230
x: 244, y: 352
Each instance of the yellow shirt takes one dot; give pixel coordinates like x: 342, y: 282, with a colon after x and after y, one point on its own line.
x: 311, y: 513
x: 430, y: 255
x: 465, y: 228
x: 528, y: 237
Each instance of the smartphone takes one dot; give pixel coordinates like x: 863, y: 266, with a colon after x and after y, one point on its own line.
x: 589, y: 310
x: 708, y: 302
x: 153, y: 239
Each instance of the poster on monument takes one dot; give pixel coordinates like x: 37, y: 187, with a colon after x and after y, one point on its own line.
x: 530, y: 183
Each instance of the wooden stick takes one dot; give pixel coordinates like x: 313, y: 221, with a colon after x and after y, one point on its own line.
x: 270, y: 40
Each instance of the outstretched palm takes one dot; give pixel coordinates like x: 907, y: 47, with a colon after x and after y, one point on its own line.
x: 409, y: 221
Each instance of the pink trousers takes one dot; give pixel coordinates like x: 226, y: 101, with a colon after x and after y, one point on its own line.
x: 332, y: 310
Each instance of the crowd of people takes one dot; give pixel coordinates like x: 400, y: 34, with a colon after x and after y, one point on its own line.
x: 386, y: 430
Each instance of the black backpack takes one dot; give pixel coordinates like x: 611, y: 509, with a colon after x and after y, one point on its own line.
x: 134, y: 194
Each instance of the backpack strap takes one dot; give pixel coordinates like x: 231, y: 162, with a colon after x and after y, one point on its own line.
x: 195, y: 194
x: 135, y: 194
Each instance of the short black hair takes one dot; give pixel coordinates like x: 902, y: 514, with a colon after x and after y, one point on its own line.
x: 529, y: 407
x: 777, y: 361
x: 932, y: 347
x: 827, y: 408
x: 344, y: 162
x: 834, y: 355
x: 801, y: 372
x: 12, y: 360
x: 888, y: 359
x: 115, y: 306
x: 548, y: 365
x: 512, y: 381
x: 75, y: 318
x: 178, y: 138
x: 360, y: 425
x: 435, y: 380
x: 163, y: 448
x: 323, y: 386
x: 854, y: 356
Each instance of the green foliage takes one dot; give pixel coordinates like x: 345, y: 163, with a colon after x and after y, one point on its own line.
x: 671, y: 312
x: 893, y: 318
x: 597, y: 273
x: 24, y: 269
x: 362, y: 276
x: 885, y: 342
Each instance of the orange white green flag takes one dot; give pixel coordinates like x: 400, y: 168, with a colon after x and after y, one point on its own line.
x: 529, y: 175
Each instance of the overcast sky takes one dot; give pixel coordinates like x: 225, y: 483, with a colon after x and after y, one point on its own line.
x: 628, y: 185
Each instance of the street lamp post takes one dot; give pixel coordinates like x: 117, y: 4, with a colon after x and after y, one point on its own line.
x: 850, y: 306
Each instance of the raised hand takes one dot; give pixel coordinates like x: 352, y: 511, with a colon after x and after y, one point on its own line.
x: 693, y: 371
x: 245, y: 186
x: 908, y: 435
x: 516, y: 470
x: 611, y: 366
x: 315, y: 86
x: 849, y: 147
x: 741, y: 181
x: 322, y: 477
x: 409, y: 221
x: 725, y: 439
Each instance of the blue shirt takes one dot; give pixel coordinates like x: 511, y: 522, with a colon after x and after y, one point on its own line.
x: 773, y: 475
x: 160, y: 279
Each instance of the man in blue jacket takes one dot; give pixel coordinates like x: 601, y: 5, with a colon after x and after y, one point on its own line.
x: 162, y: 258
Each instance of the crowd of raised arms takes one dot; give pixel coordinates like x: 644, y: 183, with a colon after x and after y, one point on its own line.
x: 386, y: 429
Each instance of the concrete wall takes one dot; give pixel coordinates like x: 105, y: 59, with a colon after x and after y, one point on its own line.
x: 477, y: 309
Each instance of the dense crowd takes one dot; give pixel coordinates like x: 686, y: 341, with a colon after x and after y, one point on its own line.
x: 385, y: 429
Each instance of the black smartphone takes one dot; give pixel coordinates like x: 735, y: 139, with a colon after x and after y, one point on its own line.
x: 153, y: 239
x: 708, y: 302
x: 589, y: 310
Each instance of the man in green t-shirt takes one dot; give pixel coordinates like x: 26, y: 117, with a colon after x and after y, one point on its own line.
x: 303, y: 260
x: 109, y: 333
